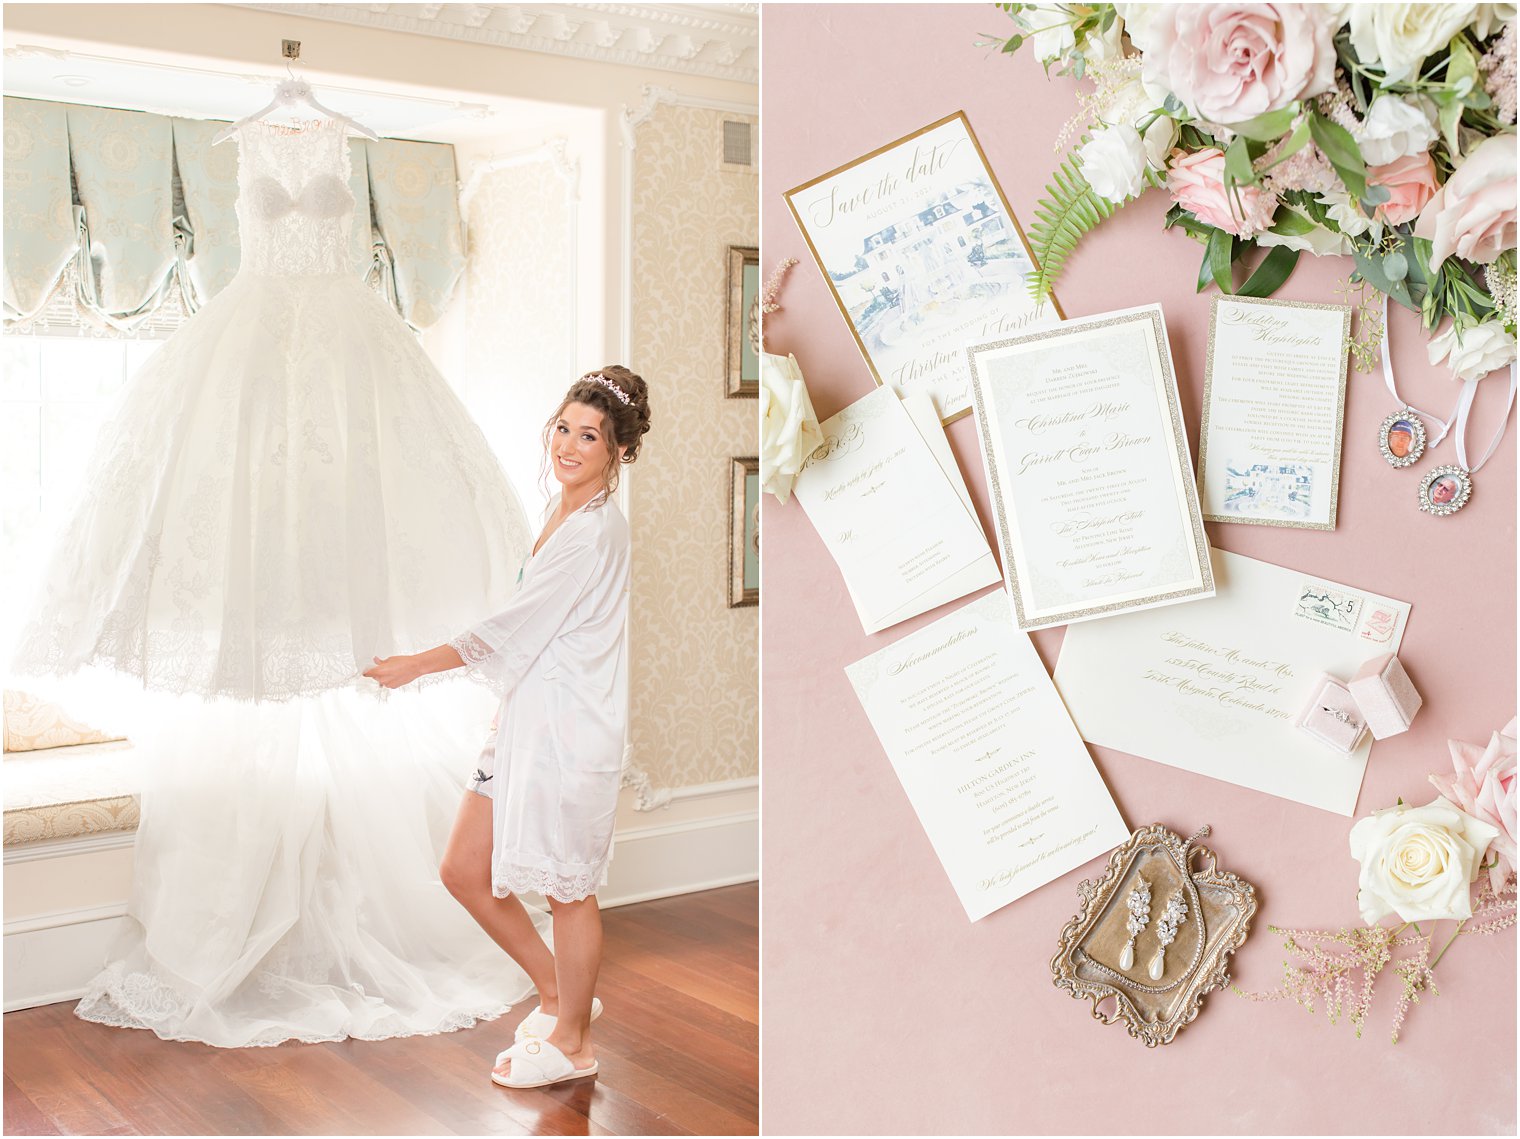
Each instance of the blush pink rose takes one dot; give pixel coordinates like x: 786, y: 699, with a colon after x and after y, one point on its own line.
x: 1483, y: 785
x: 1473, y: 215
x: 1231, y: 62
x: 1196, y: 181
x: 1410, y: 181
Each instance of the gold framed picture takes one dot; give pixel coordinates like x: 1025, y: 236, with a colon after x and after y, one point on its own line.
x: 743, y: 532
x: 743, y: 322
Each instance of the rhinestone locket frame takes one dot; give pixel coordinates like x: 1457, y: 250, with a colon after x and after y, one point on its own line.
x: 1417, y: 433
x: 1463, y: 479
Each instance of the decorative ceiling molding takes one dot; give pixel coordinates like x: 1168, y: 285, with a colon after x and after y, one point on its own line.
x: 655, y: 95
x: 718, y: 41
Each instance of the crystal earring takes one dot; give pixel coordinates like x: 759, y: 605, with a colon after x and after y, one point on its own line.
x: 1173, y: 914
x: 1139, y: 904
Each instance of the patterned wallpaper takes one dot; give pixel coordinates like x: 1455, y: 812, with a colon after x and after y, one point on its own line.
x: 695, y: 705
x: 519, y: 314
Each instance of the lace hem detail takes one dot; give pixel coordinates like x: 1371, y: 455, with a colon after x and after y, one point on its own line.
x: 551, y: 884
x: 119, y: 999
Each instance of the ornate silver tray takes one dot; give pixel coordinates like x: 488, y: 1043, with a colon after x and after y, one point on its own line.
x: 1092, y: 962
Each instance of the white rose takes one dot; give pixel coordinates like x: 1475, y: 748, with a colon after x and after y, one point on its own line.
x: 1346, y: 214
x: 1050, y: 30
x: 1396, y: 128
x: 789, y: 430
x: 1113, y: 162
x: 1491, y: 17
x: 1319, y: 241
x: 1159, y: 139
x: 1398, y: 37
x: 1418, y: 862
x: 1473, y: 352
x: 1100, y: 46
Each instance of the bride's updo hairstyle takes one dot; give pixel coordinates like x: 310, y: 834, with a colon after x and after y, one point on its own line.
x: 622, y: 397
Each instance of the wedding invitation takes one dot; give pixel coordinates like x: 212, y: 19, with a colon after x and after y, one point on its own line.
x: 1274, y: 403
x: 1088, y: 467
x: 987, y: 755
x: 1215, y: 687
x: 904, y: 537
x: 923, y: 255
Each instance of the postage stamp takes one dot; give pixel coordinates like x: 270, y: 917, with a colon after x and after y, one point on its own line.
x: 1329, y: 606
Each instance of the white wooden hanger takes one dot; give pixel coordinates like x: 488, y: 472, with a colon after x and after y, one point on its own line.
x: 295, y: 93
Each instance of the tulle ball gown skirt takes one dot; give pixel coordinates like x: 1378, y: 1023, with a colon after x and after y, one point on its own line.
x: 286, y: 490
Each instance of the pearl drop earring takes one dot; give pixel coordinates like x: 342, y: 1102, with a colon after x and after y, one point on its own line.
x: 1139, y: 905
x: 1172, y: 915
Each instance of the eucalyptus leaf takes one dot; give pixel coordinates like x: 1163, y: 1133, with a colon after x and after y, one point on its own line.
x: 1395, y: 266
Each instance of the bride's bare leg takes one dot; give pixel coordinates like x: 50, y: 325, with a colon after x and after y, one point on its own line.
x: 466, y: 873
x: 578, y: 936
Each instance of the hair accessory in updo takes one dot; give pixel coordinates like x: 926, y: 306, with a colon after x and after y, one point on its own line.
x: 609, y: 385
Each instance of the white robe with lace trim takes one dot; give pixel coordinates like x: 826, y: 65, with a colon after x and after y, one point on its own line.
x: 556, y: 653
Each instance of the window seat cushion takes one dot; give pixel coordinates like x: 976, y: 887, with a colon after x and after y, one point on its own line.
x: 68, y: 792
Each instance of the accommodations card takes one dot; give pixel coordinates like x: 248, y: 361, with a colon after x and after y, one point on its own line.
x: 923, y: 256
x: 1088, y: 466
x: 896, y: 522
x: 1216, y: 687
x: 1274, y: 402
x: 987, y: 754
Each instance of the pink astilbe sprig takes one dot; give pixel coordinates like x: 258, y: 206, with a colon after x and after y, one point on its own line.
x: 1308, y: 169
x: 1498, y: 67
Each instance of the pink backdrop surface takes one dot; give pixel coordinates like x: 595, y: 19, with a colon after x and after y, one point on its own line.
x: 885, y: 1010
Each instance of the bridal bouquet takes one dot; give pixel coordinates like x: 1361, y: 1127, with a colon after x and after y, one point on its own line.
x: 1385, y: 132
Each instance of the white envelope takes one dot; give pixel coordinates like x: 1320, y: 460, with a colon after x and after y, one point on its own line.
x: 1217, y: 685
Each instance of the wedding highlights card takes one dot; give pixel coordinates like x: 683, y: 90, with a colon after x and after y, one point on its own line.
x: 923, y: 256
x: 1088, y: 466
x: 1274, y: 403
x: 987, y: 754
x: 893, y: 511
x: 1215, y: 687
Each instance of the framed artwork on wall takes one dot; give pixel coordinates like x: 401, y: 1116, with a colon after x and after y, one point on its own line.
x: 743, y: 532
x: 743, y: 322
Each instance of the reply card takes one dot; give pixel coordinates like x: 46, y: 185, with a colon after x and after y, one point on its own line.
x: 1088, y: 466
x: 1216, y: 687
x: 902, y: 534
x: 1274, y: 403
x: 987, y: 754
x: 923, y: 255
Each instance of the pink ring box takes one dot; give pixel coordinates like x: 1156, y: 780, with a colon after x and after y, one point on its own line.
x: 1386, y: 696
x: 1332, y: 717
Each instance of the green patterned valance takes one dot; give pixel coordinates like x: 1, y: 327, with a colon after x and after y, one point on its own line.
x: 125, y: 209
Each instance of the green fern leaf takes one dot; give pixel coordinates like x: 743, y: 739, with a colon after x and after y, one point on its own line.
x: 1071, y: 210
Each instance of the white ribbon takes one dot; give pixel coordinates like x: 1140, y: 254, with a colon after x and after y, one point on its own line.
x: 1393, y: 387
x: 1464, y: 410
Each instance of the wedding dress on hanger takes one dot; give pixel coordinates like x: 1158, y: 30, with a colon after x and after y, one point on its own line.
x: 286, y: 490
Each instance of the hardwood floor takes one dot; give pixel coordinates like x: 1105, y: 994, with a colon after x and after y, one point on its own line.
x: 678, y: 1049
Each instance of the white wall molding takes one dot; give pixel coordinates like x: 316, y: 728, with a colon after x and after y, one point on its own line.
x: 53, y: 957
x: 666, y: 859
x: 62, y: 847
x: 718, y: 41
x: 553, y: 152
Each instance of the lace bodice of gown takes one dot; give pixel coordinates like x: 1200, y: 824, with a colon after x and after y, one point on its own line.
x: 295, y: 209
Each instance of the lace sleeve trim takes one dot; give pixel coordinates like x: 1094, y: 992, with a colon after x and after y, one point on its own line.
x: 472, y: 650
